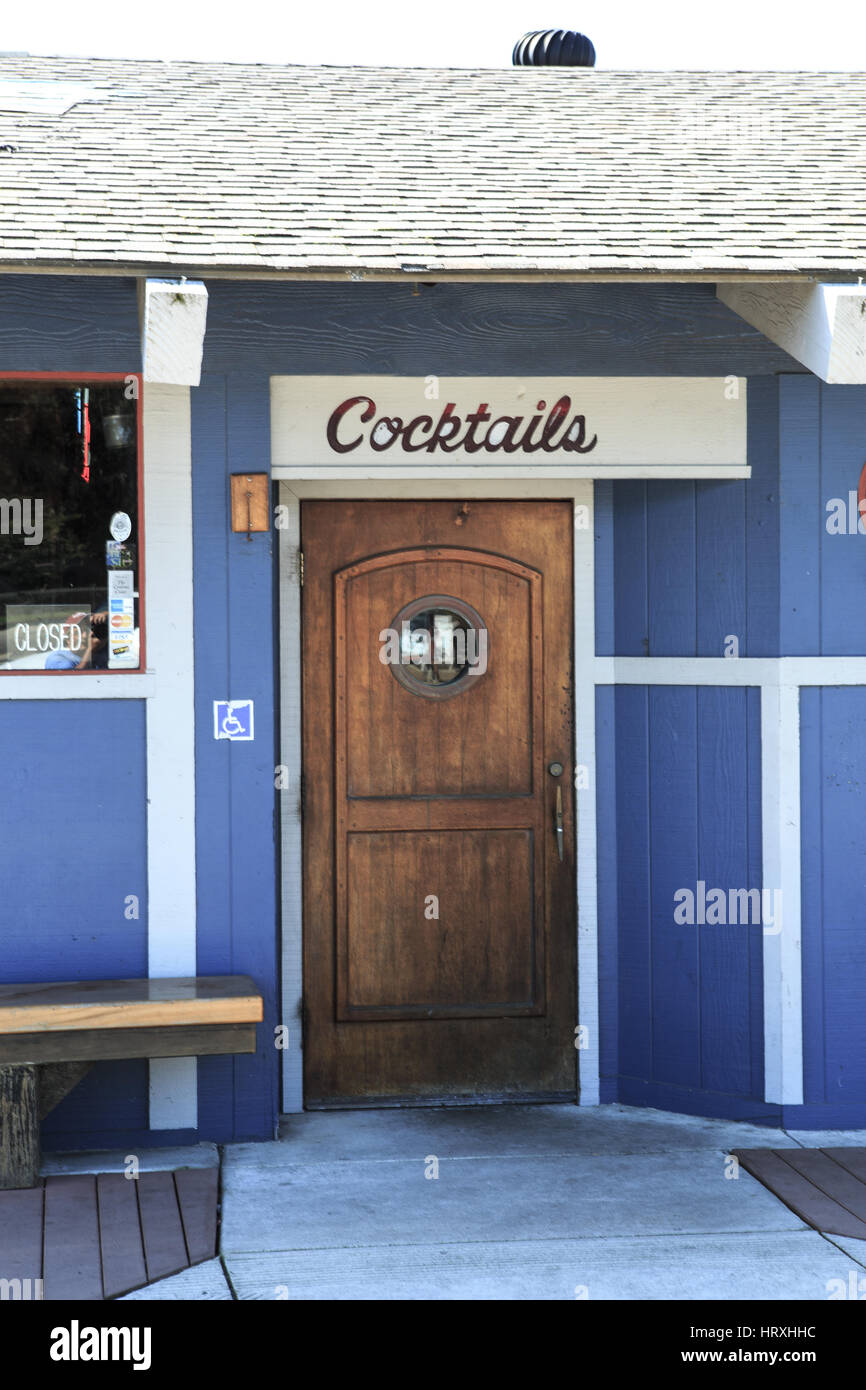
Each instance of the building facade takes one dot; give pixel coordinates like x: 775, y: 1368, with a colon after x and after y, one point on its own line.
x: 668, y: 572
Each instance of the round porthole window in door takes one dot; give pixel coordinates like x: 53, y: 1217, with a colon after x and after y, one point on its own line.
x: 438, y: 647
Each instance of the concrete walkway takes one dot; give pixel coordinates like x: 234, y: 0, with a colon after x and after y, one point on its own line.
x: 518, y: 1202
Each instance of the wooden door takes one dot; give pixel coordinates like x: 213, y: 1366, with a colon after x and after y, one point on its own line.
x: 439, y: 918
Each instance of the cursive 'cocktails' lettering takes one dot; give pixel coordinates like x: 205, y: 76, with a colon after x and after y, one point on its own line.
x: 556, y: 431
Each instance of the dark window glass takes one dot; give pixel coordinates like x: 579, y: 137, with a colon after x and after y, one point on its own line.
x: 69, y: 525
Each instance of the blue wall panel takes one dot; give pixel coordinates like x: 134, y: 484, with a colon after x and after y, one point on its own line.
x: 823, y: 571
x: 67, y: 323
x: 833, y: 770
x: 73, y: 836
x: 800, y: 515
x: 696, y: 563
x: 633, y: 882
x: 761, y: 557
x: 607, y: 902
x: 235, y: 833
x: 687, y: 809
x: 843, y: 557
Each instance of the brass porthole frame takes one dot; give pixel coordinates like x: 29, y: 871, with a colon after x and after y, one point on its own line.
x: 402, y: 673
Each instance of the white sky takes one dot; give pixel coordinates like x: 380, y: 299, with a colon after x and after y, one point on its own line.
x: 739, y: 34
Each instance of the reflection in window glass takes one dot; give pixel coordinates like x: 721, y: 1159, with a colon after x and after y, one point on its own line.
x: 69, y: 512
x: 434, y: 646
x: 442, y: 645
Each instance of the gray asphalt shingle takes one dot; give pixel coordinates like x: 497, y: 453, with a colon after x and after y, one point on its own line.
x: 202, y: 166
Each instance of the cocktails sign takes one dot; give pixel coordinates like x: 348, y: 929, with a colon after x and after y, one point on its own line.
x: 467, y: 426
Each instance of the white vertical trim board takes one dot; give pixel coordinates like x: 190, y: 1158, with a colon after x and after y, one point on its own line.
x: 780, y: 819
x: 585, y: 797
x: 291, y: 853
x: 171, y: 939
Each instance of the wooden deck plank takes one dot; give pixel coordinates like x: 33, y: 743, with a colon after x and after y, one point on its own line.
x: 831, y: 1177
x: 165, y: 1249
x: 120, y: 1241
x: 182, y: 1000
x: 72, y: 1267
x: 852, y: 1159
x: 797, y: 1192
x: 21, y: 1233
x: 197, y: 1191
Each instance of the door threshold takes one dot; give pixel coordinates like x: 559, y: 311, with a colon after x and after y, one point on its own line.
x: 442, y: 1102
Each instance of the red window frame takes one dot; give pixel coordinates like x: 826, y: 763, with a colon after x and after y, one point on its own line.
x: 84, y: 378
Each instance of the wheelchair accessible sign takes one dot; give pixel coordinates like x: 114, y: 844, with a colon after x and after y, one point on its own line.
x: 233, y: 719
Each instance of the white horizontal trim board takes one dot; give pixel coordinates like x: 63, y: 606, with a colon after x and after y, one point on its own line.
x: 543, y: 427
x: 720, y: 670
x: 75, y: 687
x: 579, y: 472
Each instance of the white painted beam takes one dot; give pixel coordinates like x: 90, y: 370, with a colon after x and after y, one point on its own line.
x: 173, y: 317
x: 783, y: 970
x: 588, y: 1012
x: 822, y: 326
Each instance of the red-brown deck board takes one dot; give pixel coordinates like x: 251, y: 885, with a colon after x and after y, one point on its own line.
x: 825, y: 1192
x: 161, y: 1227
x: 197, y: 1198
x: 21, y: 1233
x: 90, y: 1237
x: 123, y: 1266
x: 72, y: 1265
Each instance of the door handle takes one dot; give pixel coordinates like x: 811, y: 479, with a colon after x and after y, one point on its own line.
x: 557, y: 825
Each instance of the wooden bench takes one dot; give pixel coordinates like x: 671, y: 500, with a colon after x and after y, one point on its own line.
x: 51, y: 1034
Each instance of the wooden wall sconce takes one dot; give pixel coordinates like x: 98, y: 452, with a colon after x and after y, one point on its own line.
x: 250, y: 506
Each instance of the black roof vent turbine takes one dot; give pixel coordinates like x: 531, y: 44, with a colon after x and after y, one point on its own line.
x: 551, y: 48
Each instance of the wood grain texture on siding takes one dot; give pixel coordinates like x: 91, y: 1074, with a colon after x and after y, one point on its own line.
x: 464, y: 330
x: 64, y: 323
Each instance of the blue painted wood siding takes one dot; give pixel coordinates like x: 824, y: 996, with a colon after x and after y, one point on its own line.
x: 833, y: 768
x: 685, y: 565
x: 690, y: 1033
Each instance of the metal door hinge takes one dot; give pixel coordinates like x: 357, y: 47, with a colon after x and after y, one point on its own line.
x: 301, y: 568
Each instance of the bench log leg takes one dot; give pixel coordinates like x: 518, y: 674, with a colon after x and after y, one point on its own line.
x: 19, y: 1126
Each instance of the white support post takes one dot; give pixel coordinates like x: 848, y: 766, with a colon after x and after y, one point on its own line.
x: 780, y: 815
x: 585, y: 798
x: 170, y: 728
x: 290, y: 799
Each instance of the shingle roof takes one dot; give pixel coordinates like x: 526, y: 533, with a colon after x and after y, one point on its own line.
x: 201, y: 167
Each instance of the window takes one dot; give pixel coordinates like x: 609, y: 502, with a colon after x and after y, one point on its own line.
x: 70, y: 524
x: 442, y: 645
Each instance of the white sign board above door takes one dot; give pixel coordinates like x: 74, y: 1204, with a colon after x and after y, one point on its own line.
x: 553, y: 427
